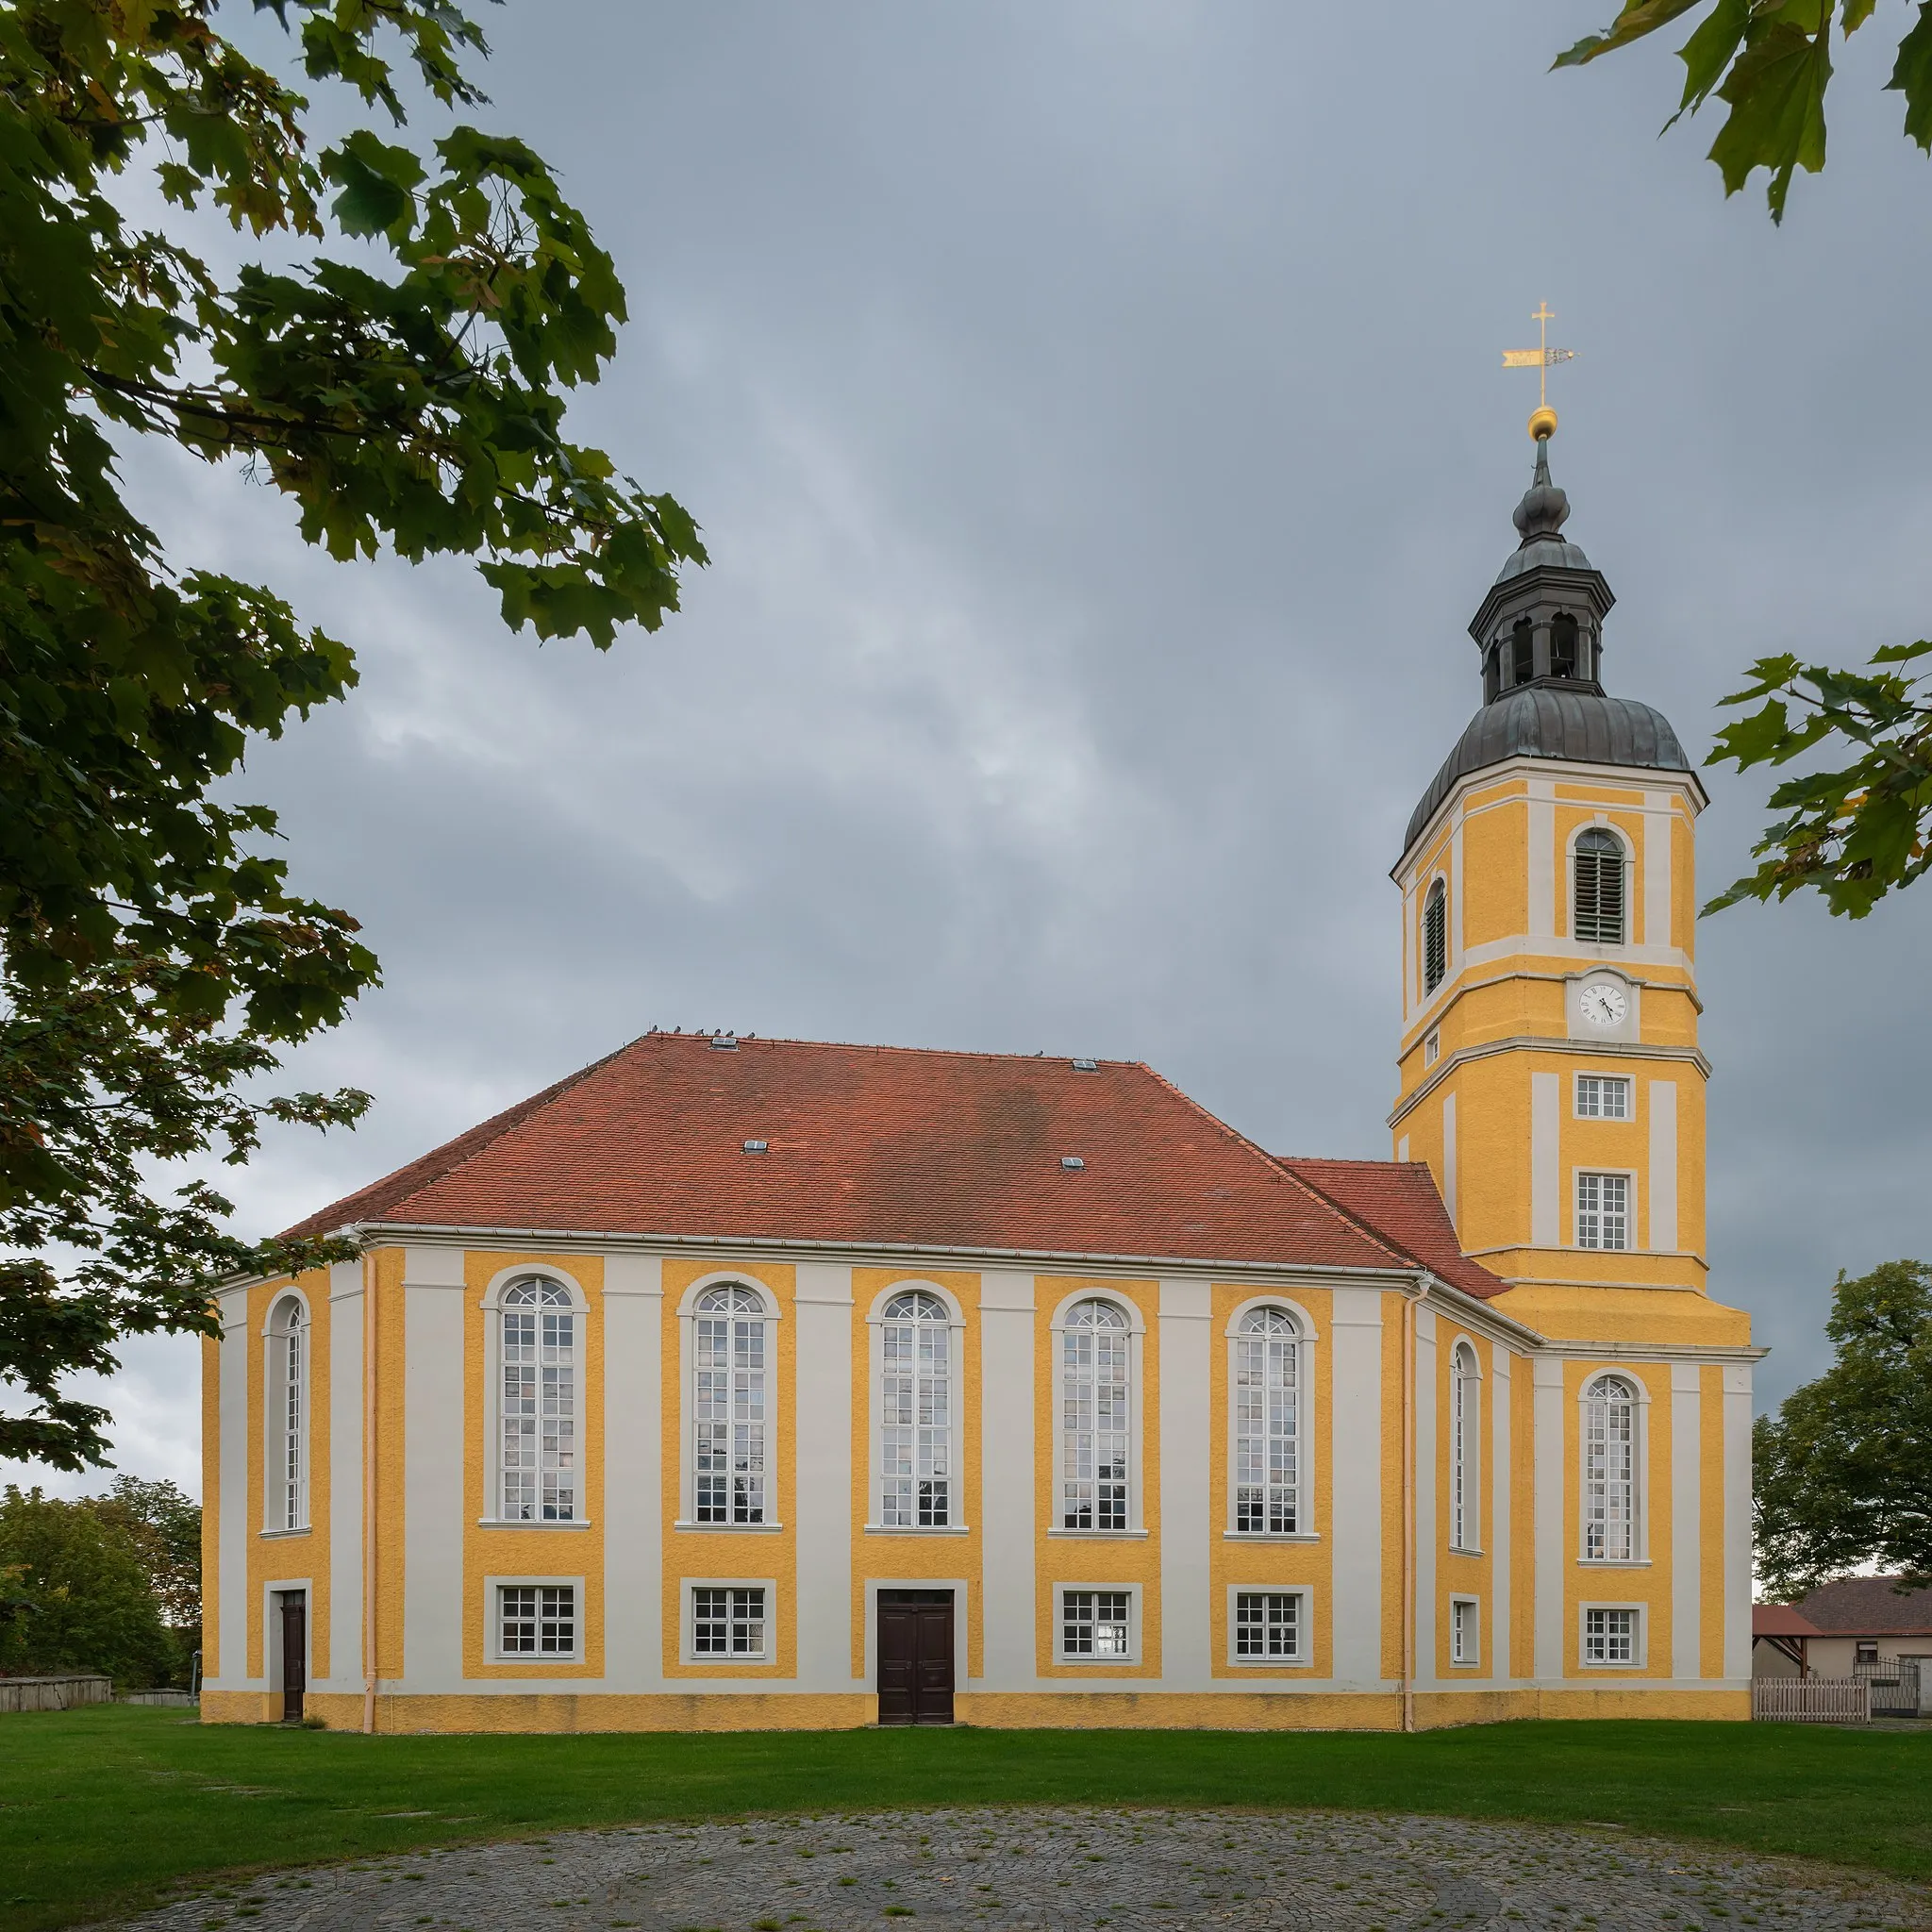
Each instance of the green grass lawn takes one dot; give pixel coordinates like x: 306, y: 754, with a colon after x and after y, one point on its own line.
x: 104, y: 1809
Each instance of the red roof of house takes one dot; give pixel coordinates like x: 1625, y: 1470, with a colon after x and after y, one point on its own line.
x: 870, y: 1145
x: 1868, y: 1606
x: 1780, y: 1620
x: 1398, y: 1199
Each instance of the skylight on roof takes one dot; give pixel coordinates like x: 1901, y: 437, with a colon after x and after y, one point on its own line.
x: 725, y: 1043
x: 1071, y: 1162
x: 1086, y: 1066
x: 757, y: 1146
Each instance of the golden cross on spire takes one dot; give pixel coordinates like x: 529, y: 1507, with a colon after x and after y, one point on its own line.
x: 1543, y: 424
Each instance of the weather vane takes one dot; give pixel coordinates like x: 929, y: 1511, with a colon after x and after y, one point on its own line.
x: 1542, y: 425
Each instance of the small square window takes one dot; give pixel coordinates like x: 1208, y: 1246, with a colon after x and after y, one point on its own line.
x: 1465, y: 1641
x: 537, y: 1620
x: 1603, y: 1097
x: 1432, y: 1047
x: 1268, y: 1625
x: 1603, y: 1210
x: 1866, y: 1654
x: 727, y: 1621
x: 1610, y: 1637
x: 1095, y: 1622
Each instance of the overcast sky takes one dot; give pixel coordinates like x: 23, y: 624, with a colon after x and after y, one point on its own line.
x: 1094, y: 415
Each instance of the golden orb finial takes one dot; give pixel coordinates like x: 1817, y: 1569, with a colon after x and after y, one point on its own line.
x: 1542, y: 424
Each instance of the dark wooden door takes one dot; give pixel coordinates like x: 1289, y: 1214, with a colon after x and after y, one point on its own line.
x: 295, y: 1653
x: 915, y: 1656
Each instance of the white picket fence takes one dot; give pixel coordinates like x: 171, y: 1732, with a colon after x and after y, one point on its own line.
x: 54, y: 1693
x: 1811, y: 1700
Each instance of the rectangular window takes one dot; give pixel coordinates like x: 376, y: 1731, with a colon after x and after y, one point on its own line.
x: 1432, y: 1048
x: 1464, y: 1629
x: 1602, y: 1097
x: 1267, y: 1624
x: 727, y: 1621
x: 1603, y: 1210
x: 538, y: 1415
x: 1093, y: 1623
x: 538, y: 1620
x: 728, y: 1397
x: 1610, y: 1637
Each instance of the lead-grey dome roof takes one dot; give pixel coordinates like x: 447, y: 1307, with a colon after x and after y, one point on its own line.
x: 1555, y: 720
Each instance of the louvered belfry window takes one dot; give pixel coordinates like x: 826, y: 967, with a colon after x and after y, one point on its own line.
x: 1434, y: 937
x: 1600, y: 895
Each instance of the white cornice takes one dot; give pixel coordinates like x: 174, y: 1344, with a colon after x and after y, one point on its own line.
x: 1546, y: 1042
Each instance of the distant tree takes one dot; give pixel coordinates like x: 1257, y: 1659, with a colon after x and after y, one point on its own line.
x: 89, y: 1604
x: 162, y: 1525
x: 1843, y: 1470
x: 397, y: 365
x: 1863, y: 829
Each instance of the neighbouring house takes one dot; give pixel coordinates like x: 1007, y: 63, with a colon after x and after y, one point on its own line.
x: 1841, y: 1625
x: 1781, y: 1641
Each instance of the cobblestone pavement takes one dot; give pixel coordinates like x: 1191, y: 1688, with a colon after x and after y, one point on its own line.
x: 1130, y: 1871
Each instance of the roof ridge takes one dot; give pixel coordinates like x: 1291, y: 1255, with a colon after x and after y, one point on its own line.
x: 1278, y: 1167
x: 427, y: 1169
x: 957, y: 1053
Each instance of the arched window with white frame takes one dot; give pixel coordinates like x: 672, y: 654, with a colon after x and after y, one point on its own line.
x: 1599, y: 912
x: 1434, y: 937
x: 729, y: 1405
x: 1267, y: 1401
x: 1465, y: 1449
x: 536, y: 1401
x: 287, y: 1362
x: 1612, y: 1492
x: 1096, y: 1417
x: 915, y: 1449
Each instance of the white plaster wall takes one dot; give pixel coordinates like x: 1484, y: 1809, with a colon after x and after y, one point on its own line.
x: 1551, y: 1555
x: 1686, y: 1529
x: 344, y: 1477
x: 1188, y: 1517
x: 433, y: 1294
x: 236, y: 1528
x: 633, y: 1475
x: 822, y: 1503
x: 1425, y: 1519
x: 1006, y: 1342
x: 1501, y: 1365
x: 1659, y: 816
x: 1663, y: 1165
x: 1737, y: 1400
x: 1355, y: 1459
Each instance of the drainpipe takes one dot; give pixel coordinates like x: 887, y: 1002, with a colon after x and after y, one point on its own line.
x: 368, y: 1494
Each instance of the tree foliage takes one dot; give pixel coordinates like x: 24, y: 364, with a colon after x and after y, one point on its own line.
x: 1769, y: 62
x: 400, y: 372
x: 1863, y: 829
x: 80, y: 1598
x: 1843, y: 1470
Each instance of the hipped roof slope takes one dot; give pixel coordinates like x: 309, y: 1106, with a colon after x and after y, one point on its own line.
x: 888, y: 1146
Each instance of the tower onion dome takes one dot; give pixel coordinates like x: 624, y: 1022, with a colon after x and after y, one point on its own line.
x: 1540, y: 638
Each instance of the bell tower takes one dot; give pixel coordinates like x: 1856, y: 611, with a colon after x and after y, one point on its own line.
x: 1551, y: 1075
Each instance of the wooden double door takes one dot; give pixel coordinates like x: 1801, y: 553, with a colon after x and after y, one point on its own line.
x: 293, y: 1607
x: 915, y: 1656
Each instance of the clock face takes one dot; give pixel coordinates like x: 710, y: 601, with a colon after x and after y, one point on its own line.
x: 1604, y: 1004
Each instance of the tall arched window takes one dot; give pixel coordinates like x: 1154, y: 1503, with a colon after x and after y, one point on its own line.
x: 1267, y: 1424
x: 1610, y: 1498
x: 288, y: 1415
x: 1096, y: 1428
x: 1599, y: 907
x: 916, y: 1413
x: 537, y: 1408
x: 1434, y: 937
x: 1465, y: 1449
x: 729, y: 1406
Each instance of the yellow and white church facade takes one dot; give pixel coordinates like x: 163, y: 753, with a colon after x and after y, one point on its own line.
x: 743, y: 1383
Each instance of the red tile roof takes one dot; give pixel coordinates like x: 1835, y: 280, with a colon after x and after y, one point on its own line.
x: 1780, y: 1620
x: 1398, y: 1199
x: 894, y: 1146
x: 1868, y: 1606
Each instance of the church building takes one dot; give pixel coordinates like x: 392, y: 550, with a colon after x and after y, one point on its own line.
x: 738, y: 1383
